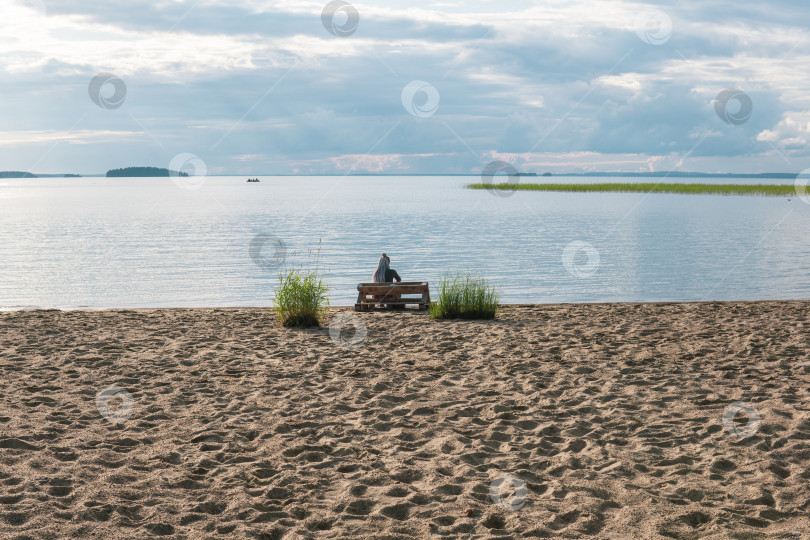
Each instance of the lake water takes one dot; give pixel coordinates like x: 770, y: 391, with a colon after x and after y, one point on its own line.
x: 101, y: 243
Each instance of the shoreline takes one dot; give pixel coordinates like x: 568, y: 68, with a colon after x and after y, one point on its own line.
x: 351, y: 306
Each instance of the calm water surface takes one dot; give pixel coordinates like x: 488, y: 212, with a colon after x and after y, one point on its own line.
x: 98, y: 243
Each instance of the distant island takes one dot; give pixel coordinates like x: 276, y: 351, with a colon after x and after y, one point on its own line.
x: 140, y: 172
x: 20, y: 174
x: 16, y: 174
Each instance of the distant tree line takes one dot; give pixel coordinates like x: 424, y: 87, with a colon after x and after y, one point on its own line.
x: 16, y: 174
x: 142, y: 172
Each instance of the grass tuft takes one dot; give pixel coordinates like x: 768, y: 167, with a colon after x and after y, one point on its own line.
x: 301, y: 298
x: 775, y: 190
x: 465, y: 297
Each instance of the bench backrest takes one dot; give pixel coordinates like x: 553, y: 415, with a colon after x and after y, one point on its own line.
x: 404, y: 287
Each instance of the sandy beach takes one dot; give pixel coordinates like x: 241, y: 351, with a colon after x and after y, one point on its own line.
x: 556, y: 421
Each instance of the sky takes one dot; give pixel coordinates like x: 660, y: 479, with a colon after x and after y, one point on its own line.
x: 299, y: 87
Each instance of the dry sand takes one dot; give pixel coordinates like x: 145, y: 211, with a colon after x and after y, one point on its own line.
x: 609, y: 419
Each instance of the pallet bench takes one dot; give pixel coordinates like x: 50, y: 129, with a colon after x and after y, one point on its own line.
x: 392, y: 295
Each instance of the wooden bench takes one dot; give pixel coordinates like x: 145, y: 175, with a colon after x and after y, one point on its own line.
x: 392, y: 295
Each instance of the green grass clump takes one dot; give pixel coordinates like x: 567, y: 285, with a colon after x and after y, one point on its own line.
x: 778, y: 190
x: 465, y: 297
x: 301, y: 298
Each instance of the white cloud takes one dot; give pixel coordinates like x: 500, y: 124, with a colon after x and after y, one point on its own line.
x: 18, y: 138
x: 571, y: 74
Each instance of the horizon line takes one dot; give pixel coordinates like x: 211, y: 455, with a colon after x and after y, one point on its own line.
x: 768, y: 174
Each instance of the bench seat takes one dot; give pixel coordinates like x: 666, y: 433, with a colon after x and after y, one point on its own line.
x: 393, y: 295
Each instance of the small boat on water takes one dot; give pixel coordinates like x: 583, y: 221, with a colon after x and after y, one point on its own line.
x: 253, y: 180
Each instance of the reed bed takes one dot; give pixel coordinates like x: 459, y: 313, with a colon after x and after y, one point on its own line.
x: 780, y: 190
x: 465, y: 297
x: 301, y: 298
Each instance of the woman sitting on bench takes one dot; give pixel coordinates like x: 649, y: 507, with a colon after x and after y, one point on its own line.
x: 385, y: 274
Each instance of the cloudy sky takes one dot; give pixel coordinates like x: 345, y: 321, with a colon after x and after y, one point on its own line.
x: 265, y: 86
